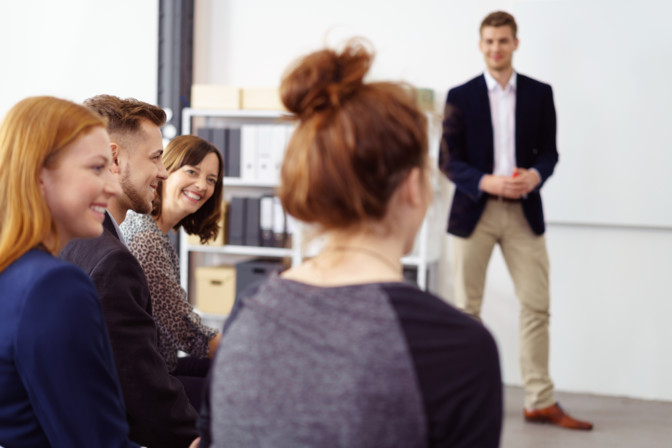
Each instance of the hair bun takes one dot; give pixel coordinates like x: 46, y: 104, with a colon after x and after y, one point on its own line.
x: 325, y: 79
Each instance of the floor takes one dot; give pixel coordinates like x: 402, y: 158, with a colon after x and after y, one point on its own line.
x: 619, y: 422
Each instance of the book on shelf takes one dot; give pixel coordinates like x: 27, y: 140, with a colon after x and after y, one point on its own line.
x: 237, y: 224
x: 233, y: 152
x: 253, y: 153
x: 257, y: 221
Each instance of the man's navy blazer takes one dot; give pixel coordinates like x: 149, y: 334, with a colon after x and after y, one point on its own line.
x: 157, y: 408
x: 467, y: 148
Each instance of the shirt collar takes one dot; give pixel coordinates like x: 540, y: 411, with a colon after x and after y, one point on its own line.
x: 491, y: 83
x: 116, y: 227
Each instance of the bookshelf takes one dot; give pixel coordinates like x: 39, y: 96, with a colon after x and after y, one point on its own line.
x: 425, y: 254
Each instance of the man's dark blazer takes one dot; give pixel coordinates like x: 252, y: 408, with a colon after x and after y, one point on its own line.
x: 467, y: 148
x: 158, y: 411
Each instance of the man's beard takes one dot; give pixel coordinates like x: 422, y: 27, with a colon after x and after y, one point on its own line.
x: 134, y: 200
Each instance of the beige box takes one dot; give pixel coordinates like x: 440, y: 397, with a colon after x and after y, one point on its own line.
x: 260, y: 98
x: 215, y: 289
x: 214, y: 96
x: 220, y: 240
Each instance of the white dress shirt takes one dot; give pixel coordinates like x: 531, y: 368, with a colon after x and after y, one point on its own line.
x: 503, y: 113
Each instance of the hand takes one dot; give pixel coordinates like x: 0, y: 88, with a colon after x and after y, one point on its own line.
x: 512, y: 187
x: 529, y: 178
x: 213, y: 344
x: 195, y: 443
x: 504, y: 186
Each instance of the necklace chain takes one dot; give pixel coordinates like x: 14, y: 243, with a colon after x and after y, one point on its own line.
x: 366, y: 251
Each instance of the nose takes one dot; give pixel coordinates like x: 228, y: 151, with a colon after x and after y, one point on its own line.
x: 163, y: 173
x: 201, y: 183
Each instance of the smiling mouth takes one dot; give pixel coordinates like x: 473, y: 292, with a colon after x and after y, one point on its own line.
x: 192, y: 196
x: 98, y: 208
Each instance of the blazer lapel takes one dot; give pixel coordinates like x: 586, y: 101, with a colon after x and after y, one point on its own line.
x: 522, y: 104
x: 483, y: 105
x: 109, y: 225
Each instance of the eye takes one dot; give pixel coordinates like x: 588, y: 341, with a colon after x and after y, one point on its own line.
x: 189, y: 171
x: 98, y: 168
x: 212, y: 181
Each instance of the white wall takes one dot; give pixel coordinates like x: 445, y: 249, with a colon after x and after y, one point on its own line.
x: 76, y: 49
x: 611, y: 307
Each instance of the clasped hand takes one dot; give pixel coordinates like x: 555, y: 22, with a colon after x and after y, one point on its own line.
x: 513, y: 187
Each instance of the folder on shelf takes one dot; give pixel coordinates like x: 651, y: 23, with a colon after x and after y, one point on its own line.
x: 266, y: 221
x: 279, y: 223
x: 219, y: 138
x: 233, y: 146
x: 280, y: 140
x: 205, y: 133
x: 248, y: 152
x: 265, y: 150
x: 252, y: 222
x: 237, y: 218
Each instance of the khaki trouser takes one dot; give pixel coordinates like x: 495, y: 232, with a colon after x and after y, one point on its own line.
x: 525, y: 254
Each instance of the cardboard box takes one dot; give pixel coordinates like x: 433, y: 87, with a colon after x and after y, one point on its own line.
x: 220, y: 240
x: 212, y: 96
x: 260, y: 99
x: 215, y: 289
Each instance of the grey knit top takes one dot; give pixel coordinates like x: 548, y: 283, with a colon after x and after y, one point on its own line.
x: 370, y: 365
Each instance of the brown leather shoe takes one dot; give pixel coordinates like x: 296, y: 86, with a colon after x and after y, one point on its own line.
x: 555, y: 416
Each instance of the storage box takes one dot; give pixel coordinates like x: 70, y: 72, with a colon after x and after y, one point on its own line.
x: 195, y: 240
x: 215, y: 289
x: 212, y: 96
x: 254, y: 271
x: 258, y: 98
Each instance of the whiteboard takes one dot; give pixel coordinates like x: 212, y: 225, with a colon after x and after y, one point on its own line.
x: 610, y: 65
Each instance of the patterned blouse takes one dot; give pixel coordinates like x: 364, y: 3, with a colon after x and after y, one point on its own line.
x: 179, y: 327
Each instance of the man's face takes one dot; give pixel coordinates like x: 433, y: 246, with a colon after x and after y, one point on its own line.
x: 141, y: 167
x: 497, y: 45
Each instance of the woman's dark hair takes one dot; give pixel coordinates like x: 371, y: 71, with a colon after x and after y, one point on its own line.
x: 191, y: 150
x: 355, y: 141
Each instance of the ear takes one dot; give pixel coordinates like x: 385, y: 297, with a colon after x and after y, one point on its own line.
x: 43, y: 173
x: 412, y: 187
x: 515, y: 44
x: 114, y: 166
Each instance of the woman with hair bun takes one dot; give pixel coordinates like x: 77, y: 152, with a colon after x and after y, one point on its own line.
x: 340, y: 351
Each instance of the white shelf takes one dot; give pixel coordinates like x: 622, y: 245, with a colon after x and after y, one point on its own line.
x: 255, y: 251
x: 424, y: 253
x: 238, y: 182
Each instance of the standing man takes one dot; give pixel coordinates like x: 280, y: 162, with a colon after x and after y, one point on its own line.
x: 157, y: 408
x: 499, y: 148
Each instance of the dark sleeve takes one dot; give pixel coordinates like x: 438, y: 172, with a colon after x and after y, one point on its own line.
x: 453, y: 156
x: 548, y: 150
x: 65, y: 362
x: 457, y: 367
x: 158, y: 410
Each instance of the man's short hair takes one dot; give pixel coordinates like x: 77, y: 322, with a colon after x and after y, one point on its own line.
x: 125, y: 115
x: 500, y: 18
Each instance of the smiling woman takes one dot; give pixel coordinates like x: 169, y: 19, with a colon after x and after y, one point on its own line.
x: 58, y: 383
x: 191, y: 198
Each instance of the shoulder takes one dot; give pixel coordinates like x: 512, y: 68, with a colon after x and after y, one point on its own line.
x: 425, y: 317
x: 525, y: 82
x: 468, y: 87
x: 137, y: 224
